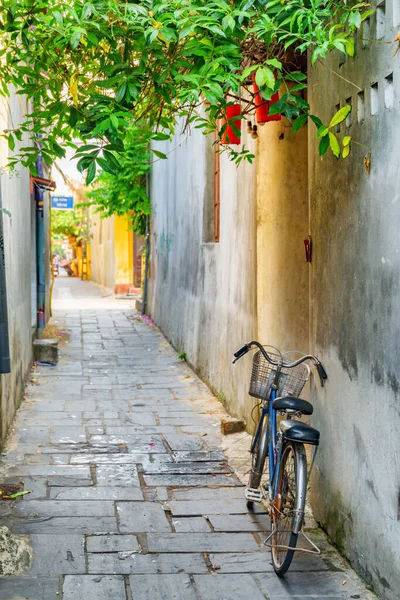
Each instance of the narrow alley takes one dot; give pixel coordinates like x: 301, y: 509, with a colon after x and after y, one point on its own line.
x: 131, y: 495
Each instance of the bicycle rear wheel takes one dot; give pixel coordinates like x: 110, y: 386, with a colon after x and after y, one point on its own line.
x: 258, y: 460
x: 287, y: 508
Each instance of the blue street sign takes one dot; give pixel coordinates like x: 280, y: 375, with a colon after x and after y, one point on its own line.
x: 62, y: 202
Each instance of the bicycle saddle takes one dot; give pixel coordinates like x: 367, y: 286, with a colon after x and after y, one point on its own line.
x: 299, y: 432
x: 292, y: 403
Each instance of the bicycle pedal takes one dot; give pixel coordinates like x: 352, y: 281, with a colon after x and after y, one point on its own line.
x: 254, y: 494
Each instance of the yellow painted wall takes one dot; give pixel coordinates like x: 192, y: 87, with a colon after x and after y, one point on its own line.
x: 123, y: 251
x: 282, y: 226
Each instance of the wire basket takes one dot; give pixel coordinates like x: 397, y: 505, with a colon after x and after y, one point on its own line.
x: 291, y: 381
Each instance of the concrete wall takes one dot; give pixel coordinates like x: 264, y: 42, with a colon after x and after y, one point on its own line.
x: 209, y: 298
x: 203, y: 294
x: 18, y: 250
x: 355, y: 327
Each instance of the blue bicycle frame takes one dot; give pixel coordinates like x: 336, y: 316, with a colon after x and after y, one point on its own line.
x: 268, y: 412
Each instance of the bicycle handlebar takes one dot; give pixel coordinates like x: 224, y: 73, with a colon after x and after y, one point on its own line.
x: 320, y: 368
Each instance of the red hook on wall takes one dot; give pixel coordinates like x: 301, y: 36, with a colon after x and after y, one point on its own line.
x: 308, y: 247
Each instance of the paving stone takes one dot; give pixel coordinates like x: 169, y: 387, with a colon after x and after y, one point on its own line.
x: 117, y: 475
x: 139, y: 418
x: 29, y: 588
x: 185, y: 442
x: 81, y: 472
x: 227, y: 587
x: 120, y: 458
x: 53, y: 554
x: 260, y: 562
x: 55, y: 508
x: 56, y: 525
x: 210, y: 456
x: 93, y: 587
x: 137, y: 444
x: 210, y: 507
x: 128, y: 563
x: 162, y: 587
x: 142, y: 517
x: 305, y: 584
x: 188, y: 468
x: 191, y: 480
x: 202, y: 542
x: 67, y: 435
x: 96, y: 493
x: 112, y: 543
x: 250, y: 522
x: 74, y: 448
x: 191, y: 525
x: 207, y: 493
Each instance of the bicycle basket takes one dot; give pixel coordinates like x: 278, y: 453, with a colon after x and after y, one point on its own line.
x: 291, y: 381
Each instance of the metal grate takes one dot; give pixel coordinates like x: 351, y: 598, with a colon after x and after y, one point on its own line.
x: 291, y: 381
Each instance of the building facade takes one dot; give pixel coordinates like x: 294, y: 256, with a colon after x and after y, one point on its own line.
x: 25, y: 268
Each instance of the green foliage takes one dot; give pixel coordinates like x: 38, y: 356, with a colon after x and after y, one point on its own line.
x: 67, y: 223
x: 182, y: 355
x: 329, y: 139
x: 91, y: 70
x: 125, y: 193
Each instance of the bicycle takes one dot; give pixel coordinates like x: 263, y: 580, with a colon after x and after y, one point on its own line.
x: 277, y: 384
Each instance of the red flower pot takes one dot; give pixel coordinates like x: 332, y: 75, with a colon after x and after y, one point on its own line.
x: 229, y: 136
x: 262, y: 106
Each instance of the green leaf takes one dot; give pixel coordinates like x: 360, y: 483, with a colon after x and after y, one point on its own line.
x: 340, y: 115
x: 274, y: 63
x: 323, y: 145
x: 299, y: 122
x: 316, y: 120
x: 346, y: 140
x: 334, y: 144
x: 91, y: 172
x: 159, y: 154
x: 346, y: 151
x: 120, y: 93
x: 323, y: 131
x: 11, y: 141
x: 350, y: 47
x: 114, y: 120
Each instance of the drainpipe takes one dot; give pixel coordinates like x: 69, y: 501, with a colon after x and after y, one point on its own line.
x: 40, y: 251
x: 5, y: 363
x: 146, y: 268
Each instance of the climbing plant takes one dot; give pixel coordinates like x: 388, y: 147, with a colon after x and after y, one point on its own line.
x: 92, y: 70
x: 125, y: 193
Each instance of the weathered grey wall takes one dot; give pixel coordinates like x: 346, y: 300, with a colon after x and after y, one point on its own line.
x: 18, y: 249
x: 355, y: 290
x: 102, y: 250
x: 203, y: 293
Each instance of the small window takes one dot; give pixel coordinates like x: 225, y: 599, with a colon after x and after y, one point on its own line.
x: 374, y: 99
x: 337, y: 128
x: 381, y: 20
x: 396, y: 13
x: 349, y: 118
x: 366, y: 33
x: 360, y: 107
x: 389, y: 94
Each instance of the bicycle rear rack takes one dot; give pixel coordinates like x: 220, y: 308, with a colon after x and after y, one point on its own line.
x: 281, y: 547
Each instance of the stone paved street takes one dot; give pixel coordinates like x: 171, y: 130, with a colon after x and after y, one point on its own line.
x: 132, y: 496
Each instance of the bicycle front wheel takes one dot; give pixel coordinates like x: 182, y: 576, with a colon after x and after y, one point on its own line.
x: 287, y: 508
